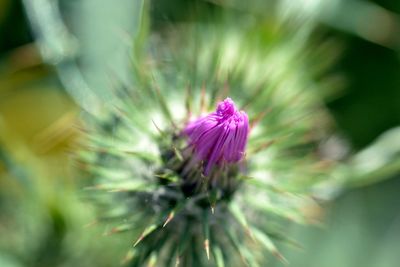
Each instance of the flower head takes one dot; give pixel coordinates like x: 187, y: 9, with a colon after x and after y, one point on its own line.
x: 221, y: 136
x: 182, y: 186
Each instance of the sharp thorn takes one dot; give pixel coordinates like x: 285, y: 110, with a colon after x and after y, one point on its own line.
x: 280, y: 257
x: 250, y: 233
x: 263, y: 146
x: 158, y: 128
x: 203, y: 106
x: 177, y: 261
x: 138, y: 241
x: 91, y: 224
x: 259, y: 118
x: 207, y: 248
x: 187, y: 102
x: 169, y: 218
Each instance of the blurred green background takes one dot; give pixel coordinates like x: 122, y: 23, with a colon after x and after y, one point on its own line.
x: 42, y: 216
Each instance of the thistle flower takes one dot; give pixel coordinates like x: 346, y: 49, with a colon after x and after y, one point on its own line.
x: 178, y: 186
x: 221, y: 136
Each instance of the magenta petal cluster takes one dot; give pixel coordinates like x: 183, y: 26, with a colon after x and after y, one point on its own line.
x: 221, y: 136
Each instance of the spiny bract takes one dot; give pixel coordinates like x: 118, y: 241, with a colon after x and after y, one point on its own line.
x: 167, y: 181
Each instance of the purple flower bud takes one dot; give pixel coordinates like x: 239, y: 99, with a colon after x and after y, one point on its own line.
x: 221, y: 136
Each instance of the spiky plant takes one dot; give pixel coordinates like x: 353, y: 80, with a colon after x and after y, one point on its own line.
x: 179, y: 169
